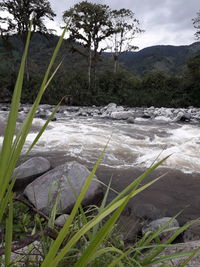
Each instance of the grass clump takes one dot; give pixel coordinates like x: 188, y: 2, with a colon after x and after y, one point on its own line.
x: 85, y: 239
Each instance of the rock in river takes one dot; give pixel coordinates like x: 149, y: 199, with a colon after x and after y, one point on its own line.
x: 30, y: 170
x: 64, y: 182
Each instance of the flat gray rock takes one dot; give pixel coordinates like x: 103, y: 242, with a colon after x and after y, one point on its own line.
x: 29, y: 170
x: 64, y: 182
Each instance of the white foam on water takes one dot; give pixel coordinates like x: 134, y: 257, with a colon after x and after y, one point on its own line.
x: 163, y: 118
x: 86, y: 138
x: 183, y: 146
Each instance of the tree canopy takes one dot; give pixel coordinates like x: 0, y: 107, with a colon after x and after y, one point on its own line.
x: 19, y: 14
x: 90, y: 24
x: 196, y: 22
x: 125, y: 26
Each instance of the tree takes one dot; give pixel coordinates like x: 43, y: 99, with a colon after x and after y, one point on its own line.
x: 19, y: 15
x: 20, y: 12
x: 125, y: 27
x: 90, y: 25
x: 196, y: 23
x: 193, y: 65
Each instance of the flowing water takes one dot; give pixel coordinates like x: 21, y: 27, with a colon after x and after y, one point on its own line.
x: 130, y: 145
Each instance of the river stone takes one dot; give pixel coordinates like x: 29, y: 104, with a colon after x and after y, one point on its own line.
x: 29, y: 170
x: 156, y: 224
x: 192, y: 233
x: 107, y: 110
x: 61, y: 219
x: 183, y: 116
x: 121, y: 115
x: 131, y: 119
x: 65, y: 182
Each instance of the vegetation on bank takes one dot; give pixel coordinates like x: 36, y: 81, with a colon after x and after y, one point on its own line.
x: 151, y: 88
x: 88, y: 74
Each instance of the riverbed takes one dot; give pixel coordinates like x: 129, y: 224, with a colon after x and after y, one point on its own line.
x: 130, y: 149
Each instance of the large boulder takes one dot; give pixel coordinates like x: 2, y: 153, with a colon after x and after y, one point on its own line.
x: 65, y: 182
x: 29, y: 170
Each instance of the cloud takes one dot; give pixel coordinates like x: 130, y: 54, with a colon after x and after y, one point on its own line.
x: 164, y: 22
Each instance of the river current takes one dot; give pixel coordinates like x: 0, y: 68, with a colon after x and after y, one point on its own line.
x: 130, y: 145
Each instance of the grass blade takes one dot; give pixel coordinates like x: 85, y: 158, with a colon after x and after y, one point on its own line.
x: 9, y: 231
x: 63, y: 233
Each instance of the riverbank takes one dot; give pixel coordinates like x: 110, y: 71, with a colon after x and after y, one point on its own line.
x: 174, y: 192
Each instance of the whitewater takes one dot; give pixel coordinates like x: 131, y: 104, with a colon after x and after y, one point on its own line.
x: 129, y: 145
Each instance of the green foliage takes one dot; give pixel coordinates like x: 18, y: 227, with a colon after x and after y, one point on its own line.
x: 125, y: 27
x: 89, y: 24
x: 21, y: 12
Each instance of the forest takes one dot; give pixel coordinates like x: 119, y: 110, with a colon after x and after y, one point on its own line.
x: 90, y: 73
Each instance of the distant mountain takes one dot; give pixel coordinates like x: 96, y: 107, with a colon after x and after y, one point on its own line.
x: 166, y: 58
x: 40, y: 51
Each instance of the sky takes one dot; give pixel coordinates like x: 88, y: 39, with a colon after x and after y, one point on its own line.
x: 166, y: 22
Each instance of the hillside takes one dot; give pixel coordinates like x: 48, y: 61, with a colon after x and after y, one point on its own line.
x: 171, y: 85
x: 40, y: 51
x: 166, y: 58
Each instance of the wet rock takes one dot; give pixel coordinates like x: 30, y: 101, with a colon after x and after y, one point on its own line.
x: 156, y: 224
x: 29, y: 170
x: 60, y: 221
x: 64, y: 181
x: 192, y: 233
x: 131, y: 119
x: 183, y: 116
x: 121, y: 115
x: 146, y: 211
x: 146, y: 116
x: 107, y: 110
x: 43, y: 114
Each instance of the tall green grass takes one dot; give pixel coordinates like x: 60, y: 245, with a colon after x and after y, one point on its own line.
x: 94, y: 230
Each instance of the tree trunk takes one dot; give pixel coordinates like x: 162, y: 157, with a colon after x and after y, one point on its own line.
x: 115, y: 63
x: 89, y: 70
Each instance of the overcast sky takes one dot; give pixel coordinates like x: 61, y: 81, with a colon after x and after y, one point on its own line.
x: 164, y: 21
